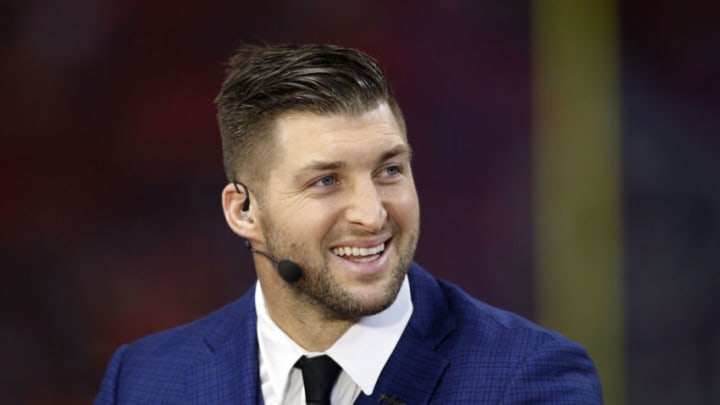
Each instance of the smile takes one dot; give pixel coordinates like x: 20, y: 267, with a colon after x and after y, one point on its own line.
x: 359, y: 254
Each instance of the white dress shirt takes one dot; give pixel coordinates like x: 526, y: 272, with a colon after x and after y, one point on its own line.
x: 361, y: 353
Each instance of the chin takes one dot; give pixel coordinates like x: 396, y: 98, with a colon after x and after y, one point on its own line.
x: 378, y: 299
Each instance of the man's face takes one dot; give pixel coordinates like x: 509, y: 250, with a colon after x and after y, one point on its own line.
x: 340, y: 201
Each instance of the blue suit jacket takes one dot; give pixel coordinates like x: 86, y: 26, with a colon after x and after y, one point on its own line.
x: 454, y: 350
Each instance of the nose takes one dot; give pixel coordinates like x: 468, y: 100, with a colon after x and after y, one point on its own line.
x: 366, y: 209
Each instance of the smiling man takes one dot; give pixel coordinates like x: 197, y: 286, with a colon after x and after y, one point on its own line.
x: 340, y: 201
x: 321, y: 189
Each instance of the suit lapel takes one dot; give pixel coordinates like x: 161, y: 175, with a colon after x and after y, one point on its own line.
x: 229, y: 371
x: 410, y: 377
x: 415, y: 368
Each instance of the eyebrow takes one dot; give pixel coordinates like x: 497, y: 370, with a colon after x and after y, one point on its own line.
x: 395, y: 151
x: 321, y: 165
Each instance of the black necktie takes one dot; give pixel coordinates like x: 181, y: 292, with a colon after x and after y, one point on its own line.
x: 319, y: 375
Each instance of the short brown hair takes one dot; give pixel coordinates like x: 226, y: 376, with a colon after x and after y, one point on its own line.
x: 263, y: 82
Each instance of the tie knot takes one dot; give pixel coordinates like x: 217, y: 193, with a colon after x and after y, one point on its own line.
x: 319, y: 375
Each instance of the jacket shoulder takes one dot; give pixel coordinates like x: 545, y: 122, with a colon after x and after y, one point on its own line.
x: 156, y: 365
x: 190, y: 340
x: 496, y: 356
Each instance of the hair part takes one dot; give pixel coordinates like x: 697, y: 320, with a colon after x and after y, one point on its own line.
x: 264, y: 82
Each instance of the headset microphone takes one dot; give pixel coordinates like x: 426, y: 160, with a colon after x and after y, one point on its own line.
x: 287, y: 269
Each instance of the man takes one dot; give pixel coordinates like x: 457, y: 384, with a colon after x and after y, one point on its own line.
x: 321, y: 189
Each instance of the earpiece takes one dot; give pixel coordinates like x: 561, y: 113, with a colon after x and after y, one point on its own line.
x: 246, y: 204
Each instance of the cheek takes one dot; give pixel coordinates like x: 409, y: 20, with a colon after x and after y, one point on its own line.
x: 312, y: 223
x: 404, y: 207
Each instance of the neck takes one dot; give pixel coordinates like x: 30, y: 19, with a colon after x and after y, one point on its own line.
x: 305, y: 323
x: 313, y: 333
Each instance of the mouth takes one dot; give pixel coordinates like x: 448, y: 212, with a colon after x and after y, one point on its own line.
x: 360, y: 254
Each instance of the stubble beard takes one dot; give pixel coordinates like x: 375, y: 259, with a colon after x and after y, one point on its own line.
x: 319, y: 289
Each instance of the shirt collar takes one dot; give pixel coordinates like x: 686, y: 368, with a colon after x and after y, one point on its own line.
x: 361, y: 352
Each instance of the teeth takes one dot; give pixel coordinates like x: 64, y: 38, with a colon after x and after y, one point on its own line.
x: 359, y: 252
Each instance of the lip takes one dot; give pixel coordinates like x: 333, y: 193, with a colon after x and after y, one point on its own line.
x: 365, y: 243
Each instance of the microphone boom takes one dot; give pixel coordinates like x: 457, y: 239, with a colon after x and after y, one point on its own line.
x: 287, y: 269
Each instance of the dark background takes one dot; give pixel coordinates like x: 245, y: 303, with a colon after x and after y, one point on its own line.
x: 110, y: 171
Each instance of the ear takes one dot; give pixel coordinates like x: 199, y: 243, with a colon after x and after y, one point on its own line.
x: 242, y: 223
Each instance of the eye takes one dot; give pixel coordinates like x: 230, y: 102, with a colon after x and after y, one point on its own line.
x: 390, y: 174
x: 393, y: 171
x: 326, y: 181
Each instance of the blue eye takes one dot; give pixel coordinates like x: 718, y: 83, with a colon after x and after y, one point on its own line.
x: 393, y: 171
x: 326, y: 181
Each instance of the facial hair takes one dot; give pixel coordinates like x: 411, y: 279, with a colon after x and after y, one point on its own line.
x: 319, y: 288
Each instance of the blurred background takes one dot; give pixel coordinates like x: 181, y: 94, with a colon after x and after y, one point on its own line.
x: 110, y: 171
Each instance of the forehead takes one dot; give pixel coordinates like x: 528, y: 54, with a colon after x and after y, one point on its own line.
x: 302, y: 136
